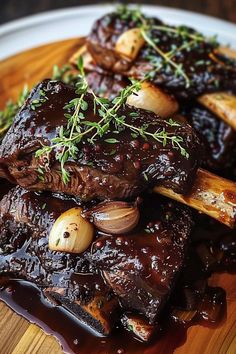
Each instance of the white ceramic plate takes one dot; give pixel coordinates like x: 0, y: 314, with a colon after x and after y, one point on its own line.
x: 56, y: 25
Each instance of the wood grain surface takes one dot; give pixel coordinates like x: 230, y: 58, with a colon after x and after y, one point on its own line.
x: 12, y: 9
x: 16, y: 334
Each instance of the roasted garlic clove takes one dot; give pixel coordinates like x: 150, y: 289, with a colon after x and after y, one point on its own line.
x: 114, y: 217
x: 153, y: 99
x: 129, y: 44
x: 71, y: 232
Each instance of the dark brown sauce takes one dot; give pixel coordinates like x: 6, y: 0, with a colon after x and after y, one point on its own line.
x: 27, y: 300
x: 201, y: 64
x: 128, y: 161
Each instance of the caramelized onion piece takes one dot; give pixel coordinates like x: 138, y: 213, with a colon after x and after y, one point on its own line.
x: 129, y: 44
x: 71, y: 232
x: 114, y: 217
x: 153, y: 99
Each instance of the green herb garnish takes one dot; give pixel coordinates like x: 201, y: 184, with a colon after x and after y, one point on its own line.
x: 130, y: 327
x: 8, y: 113
x: 36, y: 103
x: 78, y: 128
x: 65, y: 74
x: 161, y: 59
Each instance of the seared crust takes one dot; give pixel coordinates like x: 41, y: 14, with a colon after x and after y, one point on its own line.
x: 103, y: 170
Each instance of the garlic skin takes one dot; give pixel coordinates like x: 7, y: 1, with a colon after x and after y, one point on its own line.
x: 153, y: 99
x: 129, y: 44
x: 71, y: 232
x: 114, y: 217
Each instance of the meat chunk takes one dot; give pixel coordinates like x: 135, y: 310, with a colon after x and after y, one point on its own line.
x: 105, y: 85
x: 199, y: 61
x: 90, y: 299
x: 118, y: 165
x: 140, y: 328
x: 26, y: 219
x: 219, y: 139
x: 142, y: 267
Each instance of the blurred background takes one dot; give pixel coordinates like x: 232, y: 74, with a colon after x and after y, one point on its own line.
x: 13, y: 9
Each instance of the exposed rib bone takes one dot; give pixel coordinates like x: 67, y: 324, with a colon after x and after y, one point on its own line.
x: 223, y: 104
x: 211, y: 195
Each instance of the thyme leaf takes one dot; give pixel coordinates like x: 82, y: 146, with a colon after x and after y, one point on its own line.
x: 65, y: 145
x: 185, y: 35
x: 8, y: 113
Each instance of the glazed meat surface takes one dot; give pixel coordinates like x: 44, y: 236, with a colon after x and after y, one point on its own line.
x: 205, y: 69
x: 218, y: 137
x: 26, y: 220
x: 142, y: 267
x: 67, y: 279
x: 118, y: 170
x: 106, y: 85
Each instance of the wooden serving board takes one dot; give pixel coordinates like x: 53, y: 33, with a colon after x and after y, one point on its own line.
x: 16, y: 334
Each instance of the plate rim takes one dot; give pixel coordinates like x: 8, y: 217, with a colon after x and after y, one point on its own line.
x: 67, y: 12
x: 213, y: 25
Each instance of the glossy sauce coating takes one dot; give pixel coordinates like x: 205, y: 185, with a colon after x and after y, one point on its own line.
x: 199, y: 61
x: 118, y: 170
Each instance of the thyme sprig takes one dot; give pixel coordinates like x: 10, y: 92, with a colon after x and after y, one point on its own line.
x: 128, y: 13
x: 78, y: 128
x: 36, y: 103
x: 8, y: 113
x: 179, y: 71
x: 187, y: 36
x: 160, y: 136
x: 66, y: 73
x: 66, y: 143
x: 107, y: 111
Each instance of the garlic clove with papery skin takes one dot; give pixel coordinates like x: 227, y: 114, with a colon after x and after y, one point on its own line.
x: 114, y: 217
x: 71, y: 232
